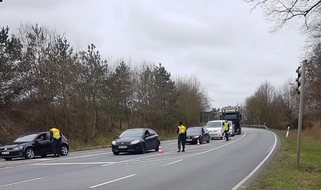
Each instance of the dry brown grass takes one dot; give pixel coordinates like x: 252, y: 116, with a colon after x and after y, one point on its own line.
x: 314, y: 132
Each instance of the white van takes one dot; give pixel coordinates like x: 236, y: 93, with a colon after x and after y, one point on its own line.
x: 216, y: 128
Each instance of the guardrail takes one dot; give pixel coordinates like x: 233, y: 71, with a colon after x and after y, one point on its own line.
x: 256, y: 126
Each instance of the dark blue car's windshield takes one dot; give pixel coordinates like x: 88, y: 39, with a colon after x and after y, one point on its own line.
x: 132, y: 133
x: 26, y: 138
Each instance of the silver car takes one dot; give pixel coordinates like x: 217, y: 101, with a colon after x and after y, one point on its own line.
x: 216, y: 129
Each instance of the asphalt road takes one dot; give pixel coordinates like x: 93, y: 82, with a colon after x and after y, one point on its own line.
x: 217, y: 165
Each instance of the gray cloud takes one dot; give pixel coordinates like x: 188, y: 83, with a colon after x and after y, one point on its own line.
x: 229, y: 49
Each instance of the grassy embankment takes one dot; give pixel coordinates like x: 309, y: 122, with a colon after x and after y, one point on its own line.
x: 283, y: 173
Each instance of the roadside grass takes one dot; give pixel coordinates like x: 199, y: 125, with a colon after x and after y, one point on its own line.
x: 283, y: 173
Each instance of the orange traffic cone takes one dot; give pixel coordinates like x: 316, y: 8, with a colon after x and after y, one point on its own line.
x: 198, y: 142
x: 160, y: 150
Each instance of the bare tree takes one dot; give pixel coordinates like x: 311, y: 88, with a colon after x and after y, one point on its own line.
x: 313, y: 80
x: 288, y: 101
x: 261, y: 107
x: 284, y: 12
x: 192, y: 99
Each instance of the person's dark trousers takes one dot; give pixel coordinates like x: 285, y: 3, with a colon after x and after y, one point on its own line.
x: 226, y: 135
x: 181, y: 141
x: 56, y: 147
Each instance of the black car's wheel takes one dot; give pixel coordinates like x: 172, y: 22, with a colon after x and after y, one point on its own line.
x: 157, y: 146
x: 7, y: 159
x: 64, y: 150
x: 30, y: 153
x: 143, y: 149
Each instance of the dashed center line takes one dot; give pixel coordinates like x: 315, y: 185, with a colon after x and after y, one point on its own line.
x: 19, y: 182
x: 112, y: 181
x: 73, y: 163
x: 172, y: 163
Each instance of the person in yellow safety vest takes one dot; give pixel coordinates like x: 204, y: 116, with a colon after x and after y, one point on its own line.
x: 55, y: 138
x: 226, y: 129
x: 181, y: 130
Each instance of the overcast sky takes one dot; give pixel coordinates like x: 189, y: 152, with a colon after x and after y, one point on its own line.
x: 228, y: 48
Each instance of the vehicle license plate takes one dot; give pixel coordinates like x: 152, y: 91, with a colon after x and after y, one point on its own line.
x: 4, y: 152
x: 188, y: 139
x: 122, y: 147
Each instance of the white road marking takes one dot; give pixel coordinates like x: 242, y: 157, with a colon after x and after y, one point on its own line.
x: 112, y: 181
x: 134, y: 159
x: 44, y: 159
x: 172, y: 163
x: 85, y: 156
x: 179, y: 155
x: 24, y: 181
x: 258, y: 166
x: 72, y: 163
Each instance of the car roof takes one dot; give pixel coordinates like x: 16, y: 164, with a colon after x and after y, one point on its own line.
x: 32, y: 133
x: 216, y: 121
x: 196, y: 127
x: 138, y: 128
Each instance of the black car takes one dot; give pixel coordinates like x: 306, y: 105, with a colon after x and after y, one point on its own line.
x: 197, y: 134
x: 136, y: 140
x: 31, y: 145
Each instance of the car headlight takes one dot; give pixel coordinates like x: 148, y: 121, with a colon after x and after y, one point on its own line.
x: 113, y: 143
x: 134, y: 142
x: 18, y: 148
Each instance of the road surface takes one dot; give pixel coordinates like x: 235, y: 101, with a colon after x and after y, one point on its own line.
x: 217, y: 165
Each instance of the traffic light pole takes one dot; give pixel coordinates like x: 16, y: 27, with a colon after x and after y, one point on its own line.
x: 301, y: 110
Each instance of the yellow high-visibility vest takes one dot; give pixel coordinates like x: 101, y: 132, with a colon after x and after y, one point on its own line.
x: 181, y: 129
x: 56, y: 133
x: 225, y: 126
